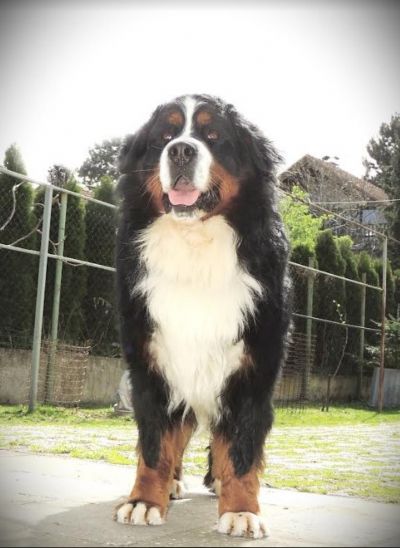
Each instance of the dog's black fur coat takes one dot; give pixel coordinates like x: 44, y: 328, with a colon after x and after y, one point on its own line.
x: 262, y: 251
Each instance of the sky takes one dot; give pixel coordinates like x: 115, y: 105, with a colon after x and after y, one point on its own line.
x: 315, y: 77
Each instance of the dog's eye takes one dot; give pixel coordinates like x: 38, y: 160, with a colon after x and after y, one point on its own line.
x: 167, y: 136
x: 212, y: 135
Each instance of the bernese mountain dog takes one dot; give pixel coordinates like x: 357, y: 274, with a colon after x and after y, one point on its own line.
x: 203, y: 296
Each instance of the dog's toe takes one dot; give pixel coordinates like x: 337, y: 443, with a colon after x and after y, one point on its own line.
x: 123, y: 513
x: 242, y: 524
x: 154, y: 517
x: 138, y: 513
x: 138, y: 516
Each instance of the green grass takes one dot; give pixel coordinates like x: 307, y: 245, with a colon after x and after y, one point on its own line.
x: 46, y: 414
x: 336, y: 416
x: 347, y: 451
x: 105, y: 416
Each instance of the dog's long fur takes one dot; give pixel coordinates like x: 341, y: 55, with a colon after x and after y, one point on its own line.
x: 203, y: 295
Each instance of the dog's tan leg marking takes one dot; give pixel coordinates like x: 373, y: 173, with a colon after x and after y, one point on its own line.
x: 148, y: 502
x: 238, y: 508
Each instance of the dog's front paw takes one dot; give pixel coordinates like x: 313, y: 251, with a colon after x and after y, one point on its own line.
x: 242, y: 524
x: 138, y: 513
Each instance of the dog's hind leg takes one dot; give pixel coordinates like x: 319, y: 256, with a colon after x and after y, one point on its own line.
x: 182, y: 438
x: 209, y: 481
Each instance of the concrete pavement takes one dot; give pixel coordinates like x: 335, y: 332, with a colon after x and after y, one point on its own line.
x: 60, y: 501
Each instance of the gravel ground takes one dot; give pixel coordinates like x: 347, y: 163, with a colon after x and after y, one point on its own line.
x: 361, y: 460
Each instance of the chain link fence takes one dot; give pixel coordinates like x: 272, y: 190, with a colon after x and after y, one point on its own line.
x: 56, y: 287
x: 339, y: 305
x: 57, y: 298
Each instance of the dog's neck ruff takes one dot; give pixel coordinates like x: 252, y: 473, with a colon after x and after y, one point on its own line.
x: 199, y: 299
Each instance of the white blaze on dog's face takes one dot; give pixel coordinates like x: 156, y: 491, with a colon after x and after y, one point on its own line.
x: 185, y: 162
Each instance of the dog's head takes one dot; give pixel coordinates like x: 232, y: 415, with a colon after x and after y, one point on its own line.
x: 194, y: 156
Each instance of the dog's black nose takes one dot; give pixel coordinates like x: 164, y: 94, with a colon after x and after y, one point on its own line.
x: 182, y: 153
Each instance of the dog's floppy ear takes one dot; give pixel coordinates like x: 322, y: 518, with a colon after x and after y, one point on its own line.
x: 256, y: 147
x: 131, y: 151
x: 134, y: 146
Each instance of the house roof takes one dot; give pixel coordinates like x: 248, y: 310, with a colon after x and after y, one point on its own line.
x: 349, y: 186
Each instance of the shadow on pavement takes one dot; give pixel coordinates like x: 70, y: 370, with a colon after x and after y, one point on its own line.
x: 190, y: 523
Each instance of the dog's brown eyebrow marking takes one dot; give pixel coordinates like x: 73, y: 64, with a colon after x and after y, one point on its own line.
x: 203, y: 117
x: 175, y: 118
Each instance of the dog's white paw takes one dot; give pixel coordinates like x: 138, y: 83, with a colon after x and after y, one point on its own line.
x: 138, y: 513
x: 177, y: 490
x: 242, y: 524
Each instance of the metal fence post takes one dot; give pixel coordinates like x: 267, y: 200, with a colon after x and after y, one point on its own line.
x: 37, y: 333
x: 310, y: 300
x: 383, y: 327
x: 362, y: 335
x: 56, y: 297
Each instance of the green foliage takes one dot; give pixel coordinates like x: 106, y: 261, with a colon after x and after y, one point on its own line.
x: 59, y: 175
x: 18, y: 271
x: 392, y: 349
x: 353, y: 301
x: 396, y: 278
x: 330, y: 303
x: 101, y: 161
x: 74, y: 277
x: 301, y: 254
x: 390, y: 285
x: 392, y: 345
x: 73, y: 285
x: 99, y: 303
x: 373, y: 298
x: 302, y: 227
x: 384, y: 170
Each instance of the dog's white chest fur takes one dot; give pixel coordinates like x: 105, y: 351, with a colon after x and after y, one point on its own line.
x: 199, y: 299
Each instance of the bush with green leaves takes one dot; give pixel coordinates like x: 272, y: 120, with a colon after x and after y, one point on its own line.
x: 302, y: 227
x: 392, y: 345
x: 392, y: 348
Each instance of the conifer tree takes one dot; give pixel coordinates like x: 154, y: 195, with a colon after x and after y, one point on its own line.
x: 329, y: 303
x: 383, y: 169
x: 73, y: 285
x: 352, y: 302
x: 18, y: 271
x: 100, y: 244
x: 373, y: 298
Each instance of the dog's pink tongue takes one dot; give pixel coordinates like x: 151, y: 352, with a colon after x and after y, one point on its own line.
x: 183, y: 197
x: 184, y: 193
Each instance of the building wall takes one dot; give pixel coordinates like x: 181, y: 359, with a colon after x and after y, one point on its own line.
x: 99, y: 384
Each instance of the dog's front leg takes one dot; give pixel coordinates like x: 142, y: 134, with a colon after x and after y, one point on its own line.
x: 148, y: 501
x: 238, y: 508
